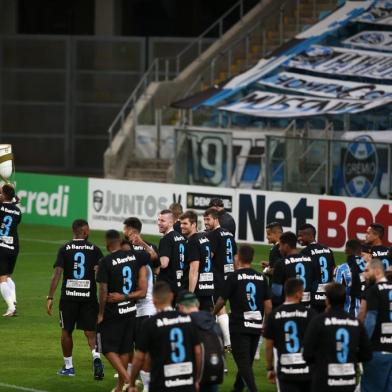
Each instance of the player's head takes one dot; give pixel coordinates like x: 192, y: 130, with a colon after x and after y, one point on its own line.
x: 187, y: 302
x: 132, y: 225
x: 353, y: 248
x: 274, y: 231
x: 287, y: 243
x: 113, y: 240
x: 216, y: 203
x: 336, y: 295
x: 176, y: 209
x: 366, y: 252
x: 188, y: 223
x: 8, y: 193
x: 245, y: 256
x: 374, y: 234
x: 80, y: 229
x: 211, y: 219
x: 306, y: 234
x: 374, y: 270
x: 162, y: 295
x: 125, y: 244
x: 165, y: 221
x: 294, y: 289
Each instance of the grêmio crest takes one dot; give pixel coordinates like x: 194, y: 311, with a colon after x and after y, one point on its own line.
x: 360, y: 167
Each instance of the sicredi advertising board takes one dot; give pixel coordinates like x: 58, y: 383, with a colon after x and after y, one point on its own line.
x: 336, y: 219
x: 52, y: 200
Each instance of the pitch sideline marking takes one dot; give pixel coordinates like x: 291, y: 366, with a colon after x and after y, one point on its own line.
x: 20, y: 388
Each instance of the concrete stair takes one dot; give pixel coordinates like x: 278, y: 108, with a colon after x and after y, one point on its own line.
x: 150, y: 170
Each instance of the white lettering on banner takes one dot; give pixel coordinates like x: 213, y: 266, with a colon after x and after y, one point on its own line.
x: 336, y: 218
x: 329, y: 88
x: 43, y: 203
x: 331, y: 60
x: 378, y: 40
x: 265, y: 104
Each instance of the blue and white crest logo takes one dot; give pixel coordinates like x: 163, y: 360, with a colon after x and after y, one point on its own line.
x: 360, y: 167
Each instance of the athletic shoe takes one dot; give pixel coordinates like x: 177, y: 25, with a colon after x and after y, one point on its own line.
x: 66, y: 372
x: 10, y: 313
x: 98, y: 369
x: 115, y: 375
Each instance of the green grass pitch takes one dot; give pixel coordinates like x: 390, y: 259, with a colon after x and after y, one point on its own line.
x: 30, y: 353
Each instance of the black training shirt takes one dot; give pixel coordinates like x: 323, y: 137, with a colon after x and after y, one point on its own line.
x: 78, y: 259
x: 170, y: 338
x: 10, y: 217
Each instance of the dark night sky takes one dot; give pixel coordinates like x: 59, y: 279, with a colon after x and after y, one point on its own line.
x: 138, y: 17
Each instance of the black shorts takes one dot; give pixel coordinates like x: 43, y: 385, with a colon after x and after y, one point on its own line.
x: 82, y: 314
x: 7, y: 262
x: 206, y: 303
x: 116, y: 335
x: 138, y: 328
x: 294, y: 386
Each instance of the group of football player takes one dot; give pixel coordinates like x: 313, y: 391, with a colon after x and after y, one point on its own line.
x: 161, y: 311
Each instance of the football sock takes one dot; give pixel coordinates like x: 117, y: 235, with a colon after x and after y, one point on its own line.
x: 129, y: 368
x: 11, y: 286
x: 223, y: 321
x: 6, y: 293
x: 145, y: 376
x: 68, y: 362
x: 95, y: 354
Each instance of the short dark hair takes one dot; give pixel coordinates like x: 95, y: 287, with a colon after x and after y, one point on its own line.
x: 308, y: 226
x: 354, y: 245
x: 274, y: 225
x: 112, y: 235
x: 211, y: 211
x: 336, y: 294
x: 8, y: 190
x: 292, y: 286
x: 78, y: 224
x: 161, y: 291
x: 189, y: 214
x: 216, y: 202
x: 165, y: 212
x: 378, y: 229
x: 289, y: 238
x: 246, y: 253
x: 134, y: 223
x: 176, y: 209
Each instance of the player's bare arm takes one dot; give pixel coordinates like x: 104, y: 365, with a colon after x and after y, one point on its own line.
x: 220, y: 303
x: 57, y: 272
x: 198, y: 363
x: 103, y: 293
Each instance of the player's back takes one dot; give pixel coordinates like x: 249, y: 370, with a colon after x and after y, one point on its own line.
x: 383, y: 253
x: 10, y: 217
x: 170, y: 337
x: 78, y: 259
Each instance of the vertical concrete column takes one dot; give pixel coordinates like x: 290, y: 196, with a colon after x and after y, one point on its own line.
x: 107, y: 17
x: 8, y: 16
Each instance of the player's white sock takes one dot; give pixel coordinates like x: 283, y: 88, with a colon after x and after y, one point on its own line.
x: 145, y: 376
x: 223, y: 321
x: 68, y: 362
x: 95, y: 354
x: 129, y: 368
x: 11, y: 285
x: 6, y: 293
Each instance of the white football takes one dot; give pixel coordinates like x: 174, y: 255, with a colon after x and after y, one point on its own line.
x: 6, y: 167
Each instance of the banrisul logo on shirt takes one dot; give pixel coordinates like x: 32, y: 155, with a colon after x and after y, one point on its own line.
x: 53, y: 200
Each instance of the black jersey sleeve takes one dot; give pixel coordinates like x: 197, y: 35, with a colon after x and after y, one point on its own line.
x: 60, y: 259
x: 228, y: 286
x: 98, y: 254
x: 279, y: 273
x: 270, y: 327
x: 195, y: 337
x: 165, y: 247
x: 311, y: 339
x: 102, y: 274
x: 365, y: 352
x: 371, y: 297
x: 193, y: 251
x: 212, y: 236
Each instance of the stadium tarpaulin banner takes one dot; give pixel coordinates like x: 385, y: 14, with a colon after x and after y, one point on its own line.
x: 341, y: 17
x: 323, y: 87
x: 377, y: 40
x: 265, y: 104
x: 340, y: 61
x: 380, y: 13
